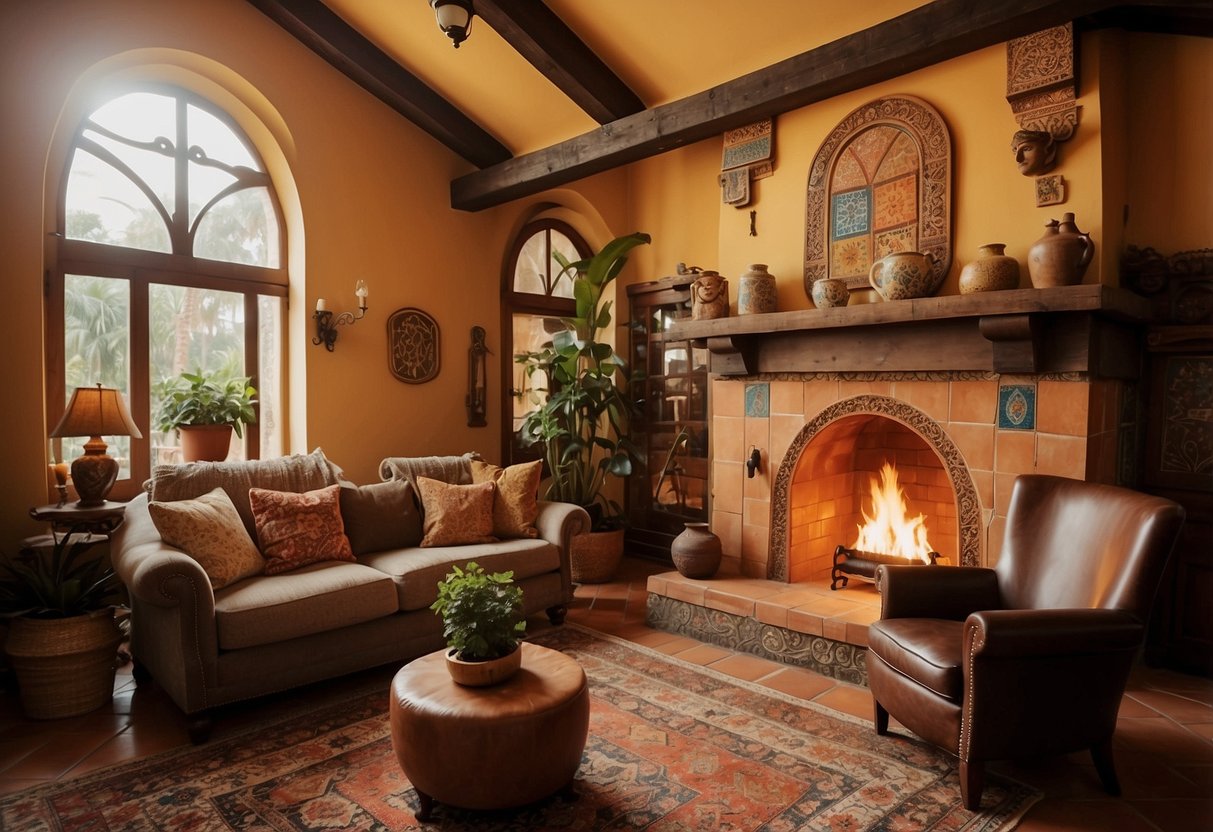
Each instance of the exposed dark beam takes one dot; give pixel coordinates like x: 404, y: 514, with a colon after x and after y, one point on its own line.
x: 542, y: 38
x: 326, y: 34
x: 927, y: 35
x: 1178, y: 19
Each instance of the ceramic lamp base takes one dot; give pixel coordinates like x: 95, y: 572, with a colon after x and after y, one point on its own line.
x: 94, y: 475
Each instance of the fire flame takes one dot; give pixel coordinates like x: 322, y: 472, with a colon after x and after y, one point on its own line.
x: 889, y: 532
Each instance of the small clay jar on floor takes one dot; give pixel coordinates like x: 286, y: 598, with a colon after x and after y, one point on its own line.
x: 696, y: 552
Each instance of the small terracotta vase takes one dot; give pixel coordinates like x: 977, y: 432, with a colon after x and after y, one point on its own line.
x: 990, y: 272
x: 904, y: 275
x: 483, y: 674
x: 696, y: 552
x: 709, y: 297
x: 830, y: 292
x: 1061, y: 256
x: 757, y: 294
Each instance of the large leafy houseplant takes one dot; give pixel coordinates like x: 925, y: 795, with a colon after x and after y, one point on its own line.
x: 583, y: 403
x: 192, y: 399
x: 64, y: 585
x: 482, y: 616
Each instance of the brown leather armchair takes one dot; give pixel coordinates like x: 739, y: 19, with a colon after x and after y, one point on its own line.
x: 1029, y: 658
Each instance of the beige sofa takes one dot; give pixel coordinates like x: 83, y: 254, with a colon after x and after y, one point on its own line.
x: 208, y: 647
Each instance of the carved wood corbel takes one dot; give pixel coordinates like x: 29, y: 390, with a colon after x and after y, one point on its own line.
x: 1016, y: 340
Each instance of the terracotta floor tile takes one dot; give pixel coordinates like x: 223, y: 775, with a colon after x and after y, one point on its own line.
x: 849, y: 699
x: 746, y: 667
x: 676, y: 645
x: 796, y: 682
x: 1179, y: 707
x: 1108, y: 815
x: 1177, y: 815
x: 702, y: 654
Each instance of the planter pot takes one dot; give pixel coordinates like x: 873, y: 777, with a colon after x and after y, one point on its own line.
x: 64, y: 666
x: 483, y: 674
x: 992, y: 271
x: 594, y: 557
x: 205, y: 443
x: 696, y: 552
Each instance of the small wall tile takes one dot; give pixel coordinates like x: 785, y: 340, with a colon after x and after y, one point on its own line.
x: 1063, y: 456
x: 1062, y: 407
x: 787, y: 397
x: 728, y: 398
x: 727, y: 526
x: 758, y: 400
x: 1017, y: 407
x: 728, y: 438
x: 973, y: 401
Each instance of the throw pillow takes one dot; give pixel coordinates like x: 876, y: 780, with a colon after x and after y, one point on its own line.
x: 380, y: 516
x: 456, y: 514
x: 209, y: 530
x: 298, y: 529
x: 517, y: 502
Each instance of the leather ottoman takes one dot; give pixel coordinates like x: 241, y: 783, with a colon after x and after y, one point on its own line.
x: 494, y: 747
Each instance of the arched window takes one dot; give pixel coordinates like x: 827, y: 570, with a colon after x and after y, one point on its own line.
x: 535, y: 297
x: 168, y: 259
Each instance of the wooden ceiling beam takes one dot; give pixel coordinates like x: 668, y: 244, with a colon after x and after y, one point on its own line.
x: 554, y: 49
x: 926, y: 35
x: 330, y: 37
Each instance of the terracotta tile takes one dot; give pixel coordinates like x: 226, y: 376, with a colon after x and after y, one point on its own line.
x: 1162, y: 737
x: 728, y: 438
x: 1062, y: 407
x: 726, y: 602
x: 703, y: 654
x: 787, y: 397
x: 676, y: 645
x: 1015, y: 451
x: 974, y: 401
x: 755, y: 543
x: 784, y: 430
x: 653, y: 639
x: 1063, y: 456
x: 931, y: 397
x: 756, y: 512
x: 743, y: 666
x: 976, y: 444
x: 1177, y: 815
x: 849, y: 699
x: 819, y: 395
x: 1179, y: 708
x: 728, y: 398
x: 1065, y: 815
x: 726, y: 486
x: 727, y: 526
x: 796, y: 682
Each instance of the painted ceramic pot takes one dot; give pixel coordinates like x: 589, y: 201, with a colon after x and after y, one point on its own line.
x: 990, y: 272
x: 904, y: 275
x: 830, y: 292
x: 696, y: 552
x: 709, y: 297
x: 757, y: 293
x: 1061, y: 256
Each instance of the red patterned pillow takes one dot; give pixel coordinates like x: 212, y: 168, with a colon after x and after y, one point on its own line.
x: 297, y: 529
x: 456, y: 515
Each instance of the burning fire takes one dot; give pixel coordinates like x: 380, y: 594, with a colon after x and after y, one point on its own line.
x: 889, y: 532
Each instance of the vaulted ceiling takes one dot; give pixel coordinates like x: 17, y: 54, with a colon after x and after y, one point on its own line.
x: 546, y: 92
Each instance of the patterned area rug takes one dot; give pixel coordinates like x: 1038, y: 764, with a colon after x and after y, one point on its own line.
x: 672, y: 746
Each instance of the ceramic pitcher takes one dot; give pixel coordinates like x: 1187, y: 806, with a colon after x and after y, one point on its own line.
x: 904, y: 275
x: 1061, y: 256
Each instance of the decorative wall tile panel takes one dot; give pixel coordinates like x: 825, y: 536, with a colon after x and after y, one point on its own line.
x: 758, y: 400
x: 1017, y: 407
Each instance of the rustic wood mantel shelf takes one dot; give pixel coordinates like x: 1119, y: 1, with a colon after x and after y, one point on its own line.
x: 1089, y: 329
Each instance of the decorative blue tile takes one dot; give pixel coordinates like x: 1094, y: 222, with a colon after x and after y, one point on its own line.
x: 852, y: 213
x: 1017, y: 407
x: 758, y: 400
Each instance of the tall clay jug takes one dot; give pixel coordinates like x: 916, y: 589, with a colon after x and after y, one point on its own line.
x: 757, y: 293
x: 1061, y: 256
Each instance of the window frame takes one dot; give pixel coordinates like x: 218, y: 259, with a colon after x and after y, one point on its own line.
x: 141, y: 268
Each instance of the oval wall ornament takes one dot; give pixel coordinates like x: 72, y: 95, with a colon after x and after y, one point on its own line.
x: 412, y: 345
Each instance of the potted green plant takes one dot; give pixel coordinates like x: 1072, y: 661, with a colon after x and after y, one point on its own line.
x: 482, y: 621
x: 205, y: 408
x: 584, y: 409
x: 63, y: 641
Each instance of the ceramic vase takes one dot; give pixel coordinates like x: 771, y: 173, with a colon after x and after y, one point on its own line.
x: 830, y: 292
x: 990, y: 272
x: 1061, y: 256
x: 696, y: 552
x: 709, y: 297
x: 904, y: 275
x: 757, y: 293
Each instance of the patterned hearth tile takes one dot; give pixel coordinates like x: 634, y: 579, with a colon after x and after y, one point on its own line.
x: 850, y: 257
x: 758, y: 400
x: 851, y: 213
x: 1017, y: 407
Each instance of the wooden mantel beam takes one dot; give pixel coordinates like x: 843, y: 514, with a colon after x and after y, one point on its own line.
x: 927, y: 35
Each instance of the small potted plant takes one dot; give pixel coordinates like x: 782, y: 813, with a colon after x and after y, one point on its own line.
x: 482, y: 622
x: 63, y: 641
x: 205, y: 408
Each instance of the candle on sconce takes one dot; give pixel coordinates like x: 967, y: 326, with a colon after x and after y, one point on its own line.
x: 321, y: 306
x: 59, y: 470
x: 360, y: 289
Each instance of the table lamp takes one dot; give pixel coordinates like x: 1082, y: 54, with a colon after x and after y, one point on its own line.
x: 95, y: 412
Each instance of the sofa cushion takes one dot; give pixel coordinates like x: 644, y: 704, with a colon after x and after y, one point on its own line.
x: 417, y: 572
x: 314, y: 599
x: 209, y: 530
x: 516, y: 504
x: 453, y: 469
x: 456, y: 514
x: 294, y: 530
x: 383, y: 515
x: 298, y: 472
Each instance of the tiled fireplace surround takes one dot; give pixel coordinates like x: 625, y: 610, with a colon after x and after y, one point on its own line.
x: 959, y: 439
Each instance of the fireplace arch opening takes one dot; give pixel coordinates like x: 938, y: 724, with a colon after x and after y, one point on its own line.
x: 822, y: 487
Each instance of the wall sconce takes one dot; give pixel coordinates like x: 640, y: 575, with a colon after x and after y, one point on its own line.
x: 326, y: 324
x: 751, y: 464
x: 454, y: 18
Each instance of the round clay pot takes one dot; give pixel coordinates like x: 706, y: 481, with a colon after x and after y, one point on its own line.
x: 696, y: 552
x: 1061, y: 256
x: 830, y: 292
x: 904, y: 275
x: 483, y: 674
x: 205, y: 443
x: 990, y: 272
x: 757, y: 293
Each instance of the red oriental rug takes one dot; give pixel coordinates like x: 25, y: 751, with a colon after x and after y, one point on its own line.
x: 672, y: 746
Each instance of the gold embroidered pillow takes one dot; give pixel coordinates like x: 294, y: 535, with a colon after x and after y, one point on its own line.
x: 456, y: 514
x: 517, y: 502
x: 209, y: 530
x: 298, y: 529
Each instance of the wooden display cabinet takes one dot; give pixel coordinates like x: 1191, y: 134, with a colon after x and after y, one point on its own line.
x: 669, y: 487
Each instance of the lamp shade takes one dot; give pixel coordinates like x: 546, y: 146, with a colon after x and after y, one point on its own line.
x: 454, y: 18
x: 96, y: 411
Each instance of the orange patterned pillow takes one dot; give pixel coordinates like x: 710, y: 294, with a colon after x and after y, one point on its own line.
x: 517, y: 502
x: 209, y: 530
x: 456, y: 514
x: 298, y: 529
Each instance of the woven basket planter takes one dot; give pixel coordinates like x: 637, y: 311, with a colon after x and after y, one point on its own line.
x: 594, y: 557
x: 64, y: 666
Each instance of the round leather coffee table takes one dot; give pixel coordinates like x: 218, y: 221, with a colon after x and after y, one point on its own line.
x: 494, y: 747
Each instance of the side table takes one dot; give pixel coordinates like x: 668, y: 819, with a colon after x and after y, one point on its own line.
x: 70, y: 518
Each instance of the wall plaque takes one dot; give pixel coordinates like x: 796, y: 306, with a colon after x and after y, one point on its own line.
x: 412, y: 345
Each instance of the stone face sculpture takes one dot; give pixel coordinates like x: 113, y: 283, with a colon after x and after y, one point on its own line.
x: 1035, y: 152
x: 709, y: 297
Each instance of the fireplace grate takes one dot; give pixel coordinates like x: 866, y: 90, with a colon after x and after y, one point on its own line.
x: 852, y: 563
